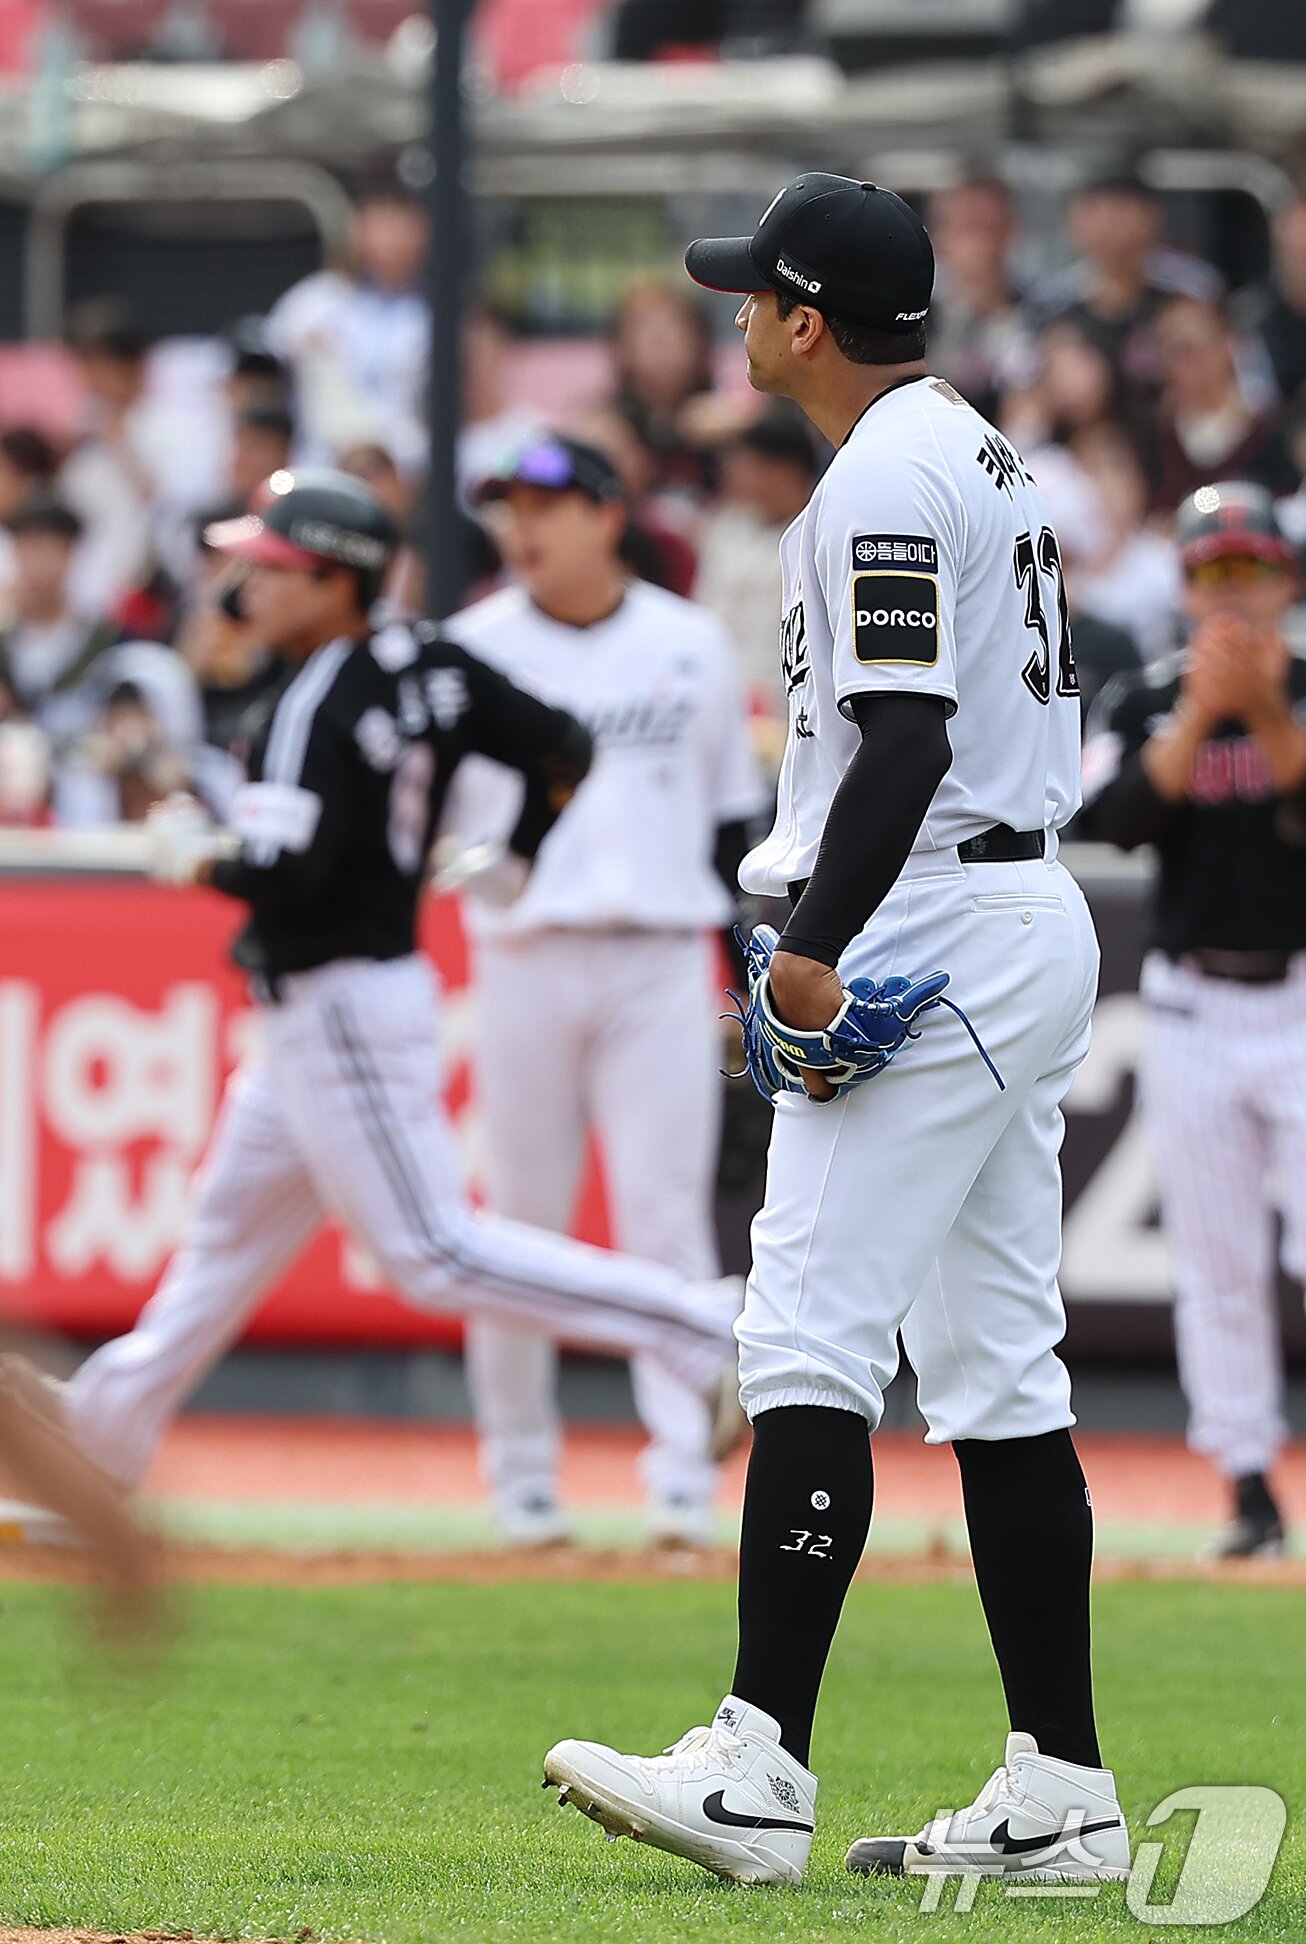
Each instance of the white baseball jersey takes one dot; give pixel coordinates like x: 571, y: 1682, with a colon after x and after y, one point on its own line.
x: 925, y: 563
x: 657, y: 687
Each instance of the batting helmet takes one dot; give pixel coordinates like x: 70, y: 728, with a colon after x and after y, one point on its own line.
x: 310, y: 518
x: 1233, y: 517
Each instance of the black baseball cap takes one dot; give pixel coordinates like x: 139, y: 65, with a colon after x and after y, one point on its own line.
x: 1233, y: 517
x: 559, y: 466
x: 849, y: 249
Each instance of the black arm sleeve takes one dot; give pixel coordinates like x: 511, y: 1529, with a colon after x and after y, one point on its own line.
x: 729, y: 853
x: 551, y: 749
x: 877, y: 811
x: 1128, y: 812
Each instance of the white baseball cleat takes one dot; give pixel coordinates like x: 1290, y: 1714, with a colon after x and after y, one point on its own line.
x: 535, y: 1524
x: 1035, y: 1817
x: 728, y: 1797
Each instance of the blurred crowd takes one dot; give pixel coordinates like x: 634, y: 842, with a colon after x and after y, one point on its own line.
x: 1126, y: 380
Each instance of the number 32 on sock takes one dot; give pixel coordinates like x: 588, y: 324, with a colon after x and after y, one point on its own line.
x: 818, y: 1549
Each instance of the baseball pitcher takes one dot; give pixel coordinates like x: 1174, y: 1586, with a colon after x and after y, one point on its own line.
x: 913, y: 1178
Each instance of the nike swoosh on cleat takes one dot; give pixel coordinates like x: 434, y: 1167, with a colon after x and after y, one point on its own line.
x: 1008, y: 1845
x: 714, y: 1808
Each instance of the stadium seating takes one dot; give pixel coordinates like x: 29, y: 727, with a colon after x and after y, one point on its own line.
x: 371, y: 22
x: 117, y: 30
x: 863, y: 34
x: 237, y: 30
x: 254, y: 30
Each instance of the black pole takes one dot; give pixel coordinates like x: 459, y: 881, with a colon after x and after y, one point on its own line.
x: 451, y: 233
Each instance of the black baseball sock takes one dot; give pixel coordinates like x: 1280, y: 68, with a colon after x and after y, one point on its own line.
x: 807, y: 1510
x: 1253, y: 1498
x: 1031, y: 1538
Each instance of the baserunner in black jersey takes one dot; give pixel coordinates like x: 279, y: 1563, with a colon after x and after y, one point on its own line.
x: 1204, y: 758
x: 338, y: 1108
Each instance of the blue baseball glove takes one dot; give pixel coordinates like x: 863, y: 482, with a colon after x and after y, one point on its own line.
x: 873, y: 1024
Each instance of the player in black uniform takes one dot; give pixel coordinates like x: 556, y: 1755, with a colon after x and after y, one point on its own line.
x: 338, y: 1108
x: 1204, y: 757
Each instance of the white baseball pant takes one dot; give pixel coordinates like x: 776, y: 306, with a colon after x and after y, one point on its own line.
x: 614, y: 1031
x: 925, y: 1199
x: 1223, y: 1094
x: 339, y: 1110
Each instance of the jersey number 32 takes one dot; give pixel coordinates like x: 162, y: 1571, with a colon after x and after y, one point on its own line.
x: 1036, y: 561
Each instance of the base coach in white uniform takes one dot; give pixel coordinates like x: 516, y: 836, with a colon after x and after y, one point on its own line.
x: 598, y: 988
x: 933, y: 754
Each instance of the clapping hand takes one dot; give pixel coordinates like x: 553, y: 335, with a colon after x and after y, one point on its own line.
x: 1235, y: 672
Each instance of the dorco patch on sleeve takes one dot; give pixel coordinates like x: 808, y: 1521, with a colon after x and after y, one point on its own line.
x: 915, y: 551
x: 896, y: 618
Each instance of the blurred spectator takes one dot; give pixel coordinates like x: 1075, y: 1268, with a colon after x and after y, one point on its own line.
x: 1276, y: 309
x: 767, y: 477
x: 1208, y: 431
x: 261, y: 445
x: 492, y: 429
x: 358, y: 338
x: 258, y: 378
x: 107, y: 479
x: 980, y: 337
x: 24, y: 770
x: 151, y: 454
x: 140, y: 747
x: 121, y: 719
x: 653, y: 547
x: 405, y: 586
x: 1123, y: 274
x: 1075, y: 389
x: 1292, y: 510
x: 1133, y: 581
x: 1072, y: 386
x: 50, y: 646
x: 231, y: 670
x: 662, y: 363
x: 28, y: 464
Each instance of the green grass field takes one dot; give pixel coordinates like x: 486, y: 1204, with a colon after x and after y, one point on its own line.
x: 365, y: 1762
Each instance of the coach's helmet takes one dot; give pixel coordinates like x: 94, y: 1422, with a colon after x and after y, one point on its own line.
x: 309, y: 518
x: 1233, y: 517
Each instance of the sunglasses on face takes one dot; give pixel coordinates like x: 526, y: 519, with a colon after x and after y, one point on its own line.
x: 1233, y: 570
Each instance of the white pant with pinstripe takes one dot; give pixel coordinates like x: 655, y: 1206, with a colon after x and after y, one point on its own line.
x: 1223, y: 1091
x: 339, y: 1110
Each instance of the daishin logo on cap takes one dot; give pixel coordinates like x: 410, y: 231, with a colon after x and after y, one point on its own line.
x: 784, y: 269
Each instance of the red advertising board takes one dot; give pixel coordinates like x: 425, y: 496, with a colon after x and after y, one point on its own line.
x: 120, y: 1018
